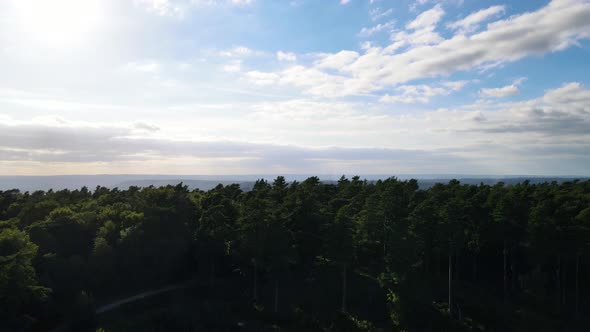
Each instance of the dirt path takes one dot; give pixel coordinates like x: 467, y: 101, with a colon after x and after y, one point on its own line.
x: 140, y: 296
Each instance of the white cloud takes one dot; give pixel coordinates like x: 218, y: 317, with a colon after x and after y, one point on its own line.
x: 454, y: 85
x: 420, y: 31
x: 337, y: 60
x: 505, y: 91
x: 344, y: 2
x: 237, y: 51
x: 147, y: 66
x: 262, y: 78
x: 573, y: 94
x: 426, y: 36
x: 242, y: 2
x: 366, y: 32
x: 471, y: 22
x: 233, y: 66
x: 411, y: 94
x: 427, y: 19
x: 561, y: 112
x: 286, y: 56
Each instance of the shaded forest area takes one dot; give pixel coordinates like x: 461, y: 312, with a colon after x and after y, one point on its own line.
x: 301, y: 256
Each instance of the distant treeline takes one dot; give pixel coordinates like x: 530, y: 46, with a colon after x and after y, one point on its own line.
x: 351, y: 255
x: 246, y: 182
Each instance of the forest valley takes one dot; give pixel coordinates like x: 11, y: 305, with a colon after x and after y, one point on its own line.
x: 302, y: 256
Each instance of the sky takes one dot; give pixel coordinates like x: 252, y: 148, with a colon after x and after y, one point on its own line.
x: 294, y: 87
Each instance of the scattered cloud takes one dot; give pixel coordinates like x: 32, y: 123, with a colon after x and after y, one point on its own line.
x: 561, y: 112
x: 286, y: 56
x: 411, y: 94
x: 379, y: 107
x: 505, y: 91
x: 555, y: 27
x: 233, y: 66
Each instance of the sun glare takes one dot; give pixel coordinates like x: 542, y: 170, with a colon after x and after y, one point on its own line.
x: 58, y: 23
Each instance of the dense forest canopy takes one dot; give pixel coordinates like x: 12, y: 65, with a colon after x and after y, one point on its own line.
x: 302, y: 256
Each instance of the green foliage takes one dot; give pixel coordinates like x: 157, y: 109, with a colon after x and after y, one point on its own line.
x: 350, y: 256
x: 18, y: 282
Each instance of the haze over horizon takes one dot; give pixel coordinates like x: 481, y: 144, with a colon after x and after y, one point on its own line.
x: 294, y: 87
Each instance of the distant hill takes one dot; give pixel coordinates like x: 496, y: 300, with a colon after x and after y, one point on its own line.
x: 192, y: 184
x: 427, y: 183
x: 206, y: 182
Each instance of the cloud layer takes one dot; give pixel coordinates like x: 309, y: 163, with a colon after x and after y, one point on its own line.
x: 553, y: 127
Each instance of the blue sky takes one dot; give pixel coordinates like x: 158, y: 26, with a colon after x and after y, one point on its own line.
x: 301, y: 86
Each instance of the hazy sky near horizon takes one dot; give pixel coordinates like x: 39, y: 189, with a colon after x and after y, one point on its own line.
x: 300, y: 86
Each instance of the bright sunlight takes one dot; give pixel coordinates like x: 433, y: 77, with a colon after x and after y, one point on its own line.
x: 58, y: 23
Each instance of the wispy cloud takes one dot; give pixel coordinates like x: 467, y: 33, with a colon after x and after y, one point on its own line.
x: 179, y: 8
x: 376, y: 13
x: 472, y: 21
x: 237, y: 51
x: 410, y: 94
x: 366, y: 32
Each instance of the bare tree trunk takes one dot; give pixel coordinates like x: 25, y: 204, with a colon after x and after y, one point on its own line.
x: 457, y: 264
x: 577, y: 285
x: 558, y: 281
x: 343, y: 288
x: 450, y: 279
x: 384, y: 239
x: 438, y: 262
x: 513, y: 275
x: 564, y: 284
x: 505, y: 253
x: 212, y: 276
x: 427, y: 261
x: 276, y: 295
x: 255, y: 281
x: 474, y: 276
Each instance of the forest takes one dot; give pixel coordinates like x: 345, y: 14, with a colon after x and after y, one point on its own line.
x: 354, y: 255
